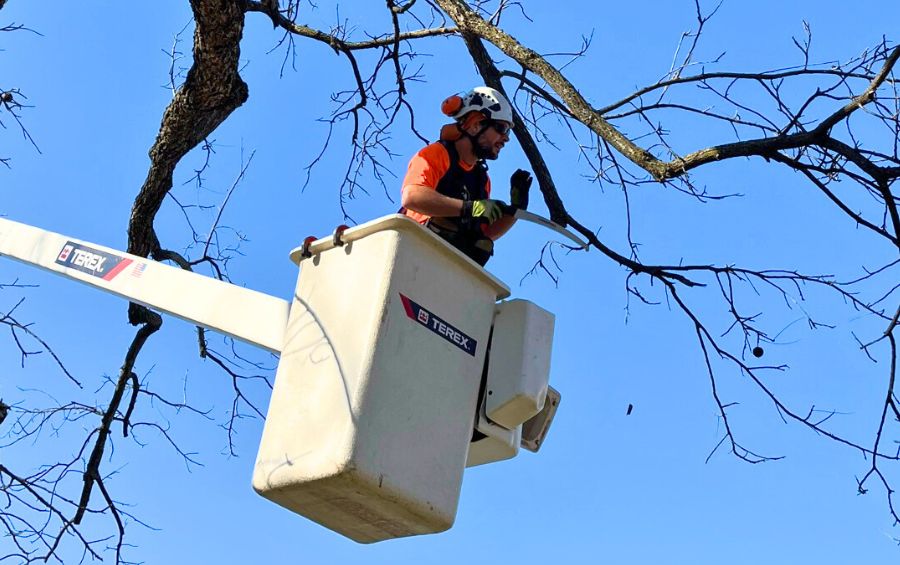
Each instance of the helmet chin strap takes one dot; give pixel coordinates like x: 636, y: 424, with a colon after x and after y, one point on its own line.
x: 479, y: 151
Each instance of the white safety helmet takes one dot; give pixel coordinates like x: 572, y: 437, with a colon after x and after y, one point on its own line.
x: 483, y: 99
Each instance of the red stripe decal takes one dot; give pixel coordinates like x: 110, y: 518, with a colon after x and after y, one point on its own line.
x: 116, y: 270
x: 408, y: 307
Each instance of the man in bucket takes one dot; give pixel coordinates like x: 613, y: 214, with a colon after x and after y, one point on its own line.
x: 447, y: 187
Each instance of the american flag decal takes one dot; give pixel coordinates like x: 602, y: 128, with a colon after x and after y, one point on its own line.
x: 138, y: 270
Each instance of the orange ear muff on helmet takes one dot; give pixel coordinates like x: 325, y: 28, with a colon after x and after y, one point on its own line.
x: 454, y: 131
x: 451, y: 105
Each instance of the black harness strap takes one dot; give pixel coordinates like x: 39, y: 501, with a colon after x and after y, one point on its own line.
x: 463, y: 233
x: 462, y: 184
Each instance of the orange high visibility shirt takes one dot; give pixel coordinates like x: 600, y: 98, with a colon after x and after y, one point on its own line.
x: 427, y: 168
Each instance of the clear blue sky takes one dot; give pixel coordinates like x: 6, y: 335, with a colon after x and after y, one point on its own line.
x: 606, y: 487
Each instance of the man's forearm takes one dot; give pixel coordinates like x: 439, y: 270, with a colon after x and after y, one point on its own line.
x: 428, y: 201
x: 425, y: 200
x: 500, y: 227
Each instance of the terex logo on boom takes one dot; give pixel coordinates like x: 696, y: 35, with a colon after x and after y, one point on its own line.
x: 429, y: 320
x: 91, y: 261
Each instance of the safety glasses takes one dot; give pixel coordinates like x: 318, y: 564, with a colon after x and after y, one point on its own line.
x: 500, y: 127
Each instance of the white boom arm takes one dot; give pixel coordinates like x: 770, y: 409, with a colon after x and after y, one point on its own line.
x: 239, y: 312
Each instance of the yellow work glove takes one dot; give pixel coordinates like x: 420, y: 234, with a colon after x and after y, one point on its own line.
x: 487, y: 210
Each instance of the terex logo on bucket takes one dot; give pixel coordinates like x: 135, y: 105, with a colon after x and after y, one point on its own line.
x: 434, y: 323
x: 91, y: 261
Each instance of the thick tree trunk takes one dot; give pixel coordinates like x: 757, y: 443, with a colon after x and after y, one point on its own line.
x: 212, y: 91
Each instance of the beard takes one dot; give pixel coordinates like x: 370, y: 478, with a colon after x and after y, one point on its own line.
x: 485, y: 151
